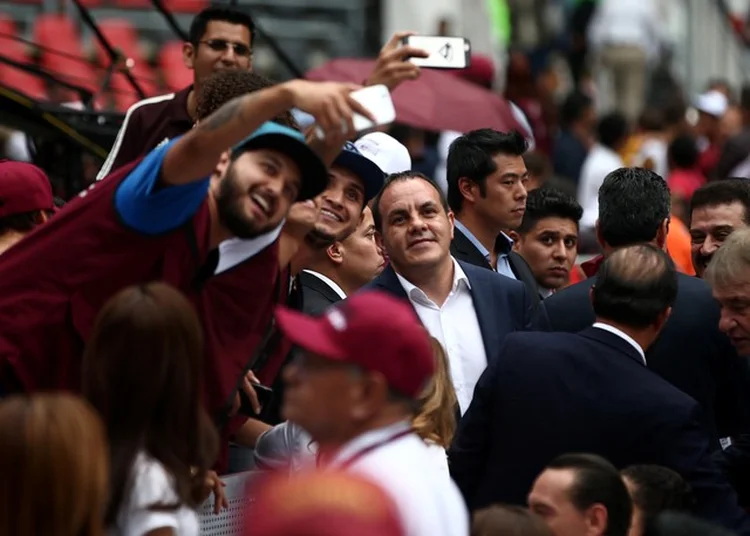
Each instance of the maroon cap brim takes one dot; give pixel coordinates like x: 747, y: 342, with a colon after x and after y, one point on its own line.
x: 313, y: 334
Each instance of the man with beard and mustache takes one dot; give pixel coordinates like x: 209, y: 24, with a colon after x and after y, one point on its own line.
x: 169, y: 217
x: 717, y: 209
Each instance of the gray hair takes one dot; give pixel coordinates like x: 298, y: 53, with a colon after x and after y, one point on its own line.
x: 731, y: 263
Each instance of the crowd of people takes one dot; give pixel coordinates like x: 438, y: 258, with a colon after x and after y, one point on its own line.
x: 395, y: 355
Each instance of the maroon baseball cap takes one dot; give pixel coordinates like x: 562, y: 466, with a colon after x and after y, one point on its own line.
x: 23, y: 188
x: 372, y: 330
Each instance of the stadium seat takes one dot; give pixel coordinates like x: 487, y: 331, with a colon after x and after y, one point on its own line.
x: 133, y: 4
x: 73, y: 71
x: 121, y: 35
x: 177, y: 78
x: 26, y: 83
x: 57, y: 33
x: 170, y: 55
x: 7, y: 26
x: 185, y: 6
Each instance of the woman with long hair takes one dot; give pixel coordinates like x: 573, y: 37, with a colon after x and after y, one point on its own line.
x: 141, y: 371
x: 436, y: 421
x: 53, y: 458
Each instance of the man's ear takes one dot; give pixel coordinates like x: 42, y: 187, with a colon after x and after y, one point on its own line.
x: 188, y: 55
x: 468, y: 189
x: 516, y: 239
x: 335, y: 252
x: 661, y: 234
x: 222, y: 165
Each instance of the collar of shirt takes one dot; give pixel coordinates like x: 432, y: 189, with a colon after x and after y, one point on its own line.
x: 234, y: 251
x: 367, y: 440
x: 503, y: 243
x: 627, y: 338
x: 416, y: 293
x: 545, y: 292
x: 330, y: 282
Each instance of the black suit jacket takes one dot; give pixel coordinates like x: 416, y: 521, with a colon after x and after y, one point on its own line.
x: 502, y: 304
x: 691, y: 353
x: 317, y: 296
x: 463, y: 250
x: 547, y: 394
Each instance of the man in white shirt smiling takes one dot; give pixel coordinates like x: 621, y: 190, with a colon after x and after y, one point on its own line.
x: 468, y: 309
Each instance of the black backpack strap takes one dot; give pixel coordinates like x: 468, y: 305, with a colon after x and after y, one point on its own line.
x: 262, y: 353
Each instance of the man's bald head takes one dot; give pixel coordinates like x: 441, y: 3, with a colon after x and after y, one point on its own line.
x: 635, y: 286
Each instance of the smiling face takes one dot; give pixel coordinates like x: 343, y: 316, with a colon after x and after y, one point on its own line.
x: 256, y: 191
x: 339, y: 207
x: 417, y: 230
x: 224, y: 46
x: 709, y: 227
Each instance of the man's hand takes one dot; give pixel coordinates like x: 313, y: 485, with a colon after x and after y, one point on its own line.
x: 247, y: 387
x: 393, y: 66
x: 330, y: 103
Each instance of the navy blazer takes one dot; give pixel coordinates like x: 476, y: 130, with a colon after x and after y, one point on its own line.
x: 501, y: 303
x: 690, y: 353
x: 549, y: 394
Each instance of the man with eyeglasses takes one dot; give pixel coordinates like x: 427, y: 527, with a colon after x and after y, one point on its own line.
x: 220, y: 39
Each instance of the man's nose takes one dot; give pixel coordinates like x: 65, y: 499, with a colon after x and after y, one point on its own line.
x: 726, y: 321
x: 709, y: 246
x: 559, y: 252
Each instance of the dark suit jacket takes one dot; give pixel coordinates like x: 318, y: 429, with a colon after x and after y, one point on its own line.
x: 691, y: 353
x: 547, y: 394
x: 317, y: 296
x: 502, y: 304
x: 463, y: 250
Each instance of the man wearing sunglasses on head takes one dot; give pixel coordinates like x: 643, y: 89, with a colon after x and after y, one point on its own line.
x: 220, y: 39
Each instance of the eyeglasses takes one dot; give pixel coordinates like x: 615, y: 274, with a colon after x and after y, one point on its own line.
x: 220, y: 45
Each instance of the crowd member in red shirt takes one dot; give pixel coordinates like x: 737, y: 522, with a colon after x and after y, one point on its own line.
x: 685, y: 177
x: 162, y: 219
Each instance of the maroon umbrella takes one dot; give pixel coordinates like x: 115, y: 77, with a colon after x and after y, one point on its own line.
x: 436, y: 101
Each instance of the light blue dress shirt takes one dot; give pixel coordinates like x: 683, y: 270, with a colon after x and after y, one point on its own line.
x: 503, y: 262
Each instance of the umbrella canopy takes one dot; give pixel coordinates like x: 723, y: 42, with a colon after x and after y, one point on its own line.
x: 436, y: 101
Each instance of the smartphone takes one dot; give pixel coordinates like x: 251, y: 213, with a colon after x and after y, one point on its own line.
x: 377, y: 100
x: 444, y: 52
x: 265, y: 396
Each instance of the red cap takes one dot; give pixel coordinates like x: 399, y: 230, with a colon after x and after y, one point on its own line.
x: 373, y: 330
x: 23, y: 188
x: 321, y: 504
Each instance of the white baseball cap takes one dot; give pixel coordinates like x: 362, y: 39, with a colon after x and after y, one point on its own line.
x: 712, y: 103
x: 389, y: 154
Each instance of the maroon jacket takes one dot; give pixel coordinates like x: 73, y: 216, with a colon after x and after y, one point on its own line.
x: 54, y: 282
x: 147, y: 124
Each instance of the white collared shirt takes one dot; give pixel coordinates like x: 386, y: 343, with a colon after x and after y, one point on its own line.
x: 456, y: 326
x: 330, y: 282
x: 627, y: 338
x: 599, y: 163
x: 234, y: 251
x: 428, y: 503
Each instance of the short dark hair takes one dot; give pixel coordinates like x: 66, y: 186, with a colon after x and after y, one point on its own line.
x: 549, y: 203
x: 221, y: 14
x: 219, y: 88
x: 377, y: 216
x: 598, y: 482
x: 723, y: 192
x: 683, y: 152
x: 657, y: 489
x: 634, y: 286
x: 471, y: 156
x: 612, y: 130
x: 573, y: 107
x: 633, y: 203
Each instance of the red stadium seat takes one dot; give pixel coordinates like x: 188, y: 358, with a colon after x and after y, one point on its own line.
x: 133, y: 4
x: 26, y: 83
x: 73, y: 71
x: 177, y: 78
x: 170, y: 54
x: 121, y: 35
x: 57, y: 33
x: 7, y: 26
x: 185, y: 6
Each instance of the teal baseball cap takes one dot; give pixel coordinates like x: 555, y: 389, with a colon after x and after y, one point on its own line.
x: 292, y: 143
